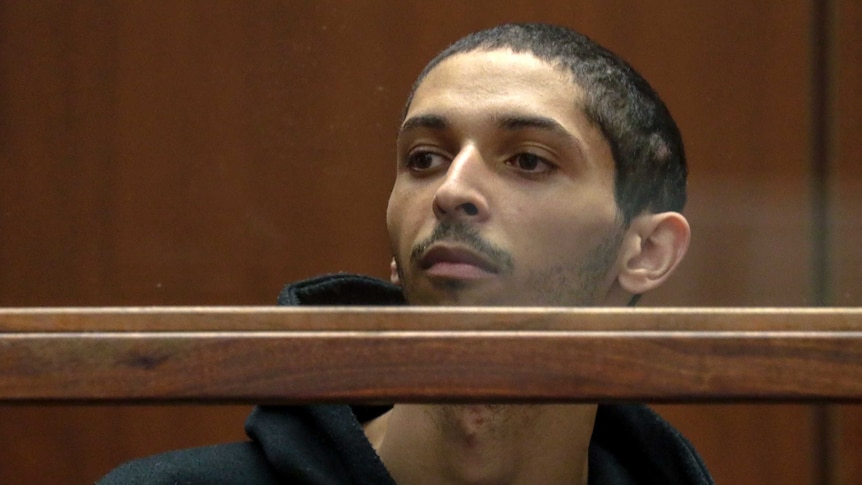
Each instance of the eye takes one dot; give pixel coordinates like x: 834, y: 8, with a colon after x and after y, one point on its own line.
x: 531, y: 163
x: 424, y: 161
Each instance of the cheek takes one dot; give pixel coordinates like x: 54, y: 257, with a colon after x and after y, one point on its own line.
x: 560, y: 234
x: 392, y: 222
x: 398, y: 212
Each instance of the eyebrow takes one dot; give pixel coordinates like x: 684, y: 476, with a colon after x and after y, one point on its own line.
x: 506, y: 121
x: 434, y: 122
x: 517, y: 122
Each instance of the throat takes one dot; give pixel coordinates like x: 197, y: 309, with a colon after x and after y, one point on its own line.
x: 478, y: 444
x: 484, y: 425
x: 484, y: 443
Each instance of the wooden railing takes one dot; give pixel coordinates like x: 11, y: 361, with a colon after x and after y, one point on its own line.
x: 369, y: 354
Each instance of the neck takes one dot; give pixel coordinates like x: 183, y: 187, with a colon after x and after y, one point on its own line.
x: 483, y: 444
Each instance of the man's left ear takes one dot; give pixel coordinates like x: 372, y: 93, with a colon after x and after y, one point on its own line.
x: 653, y: 246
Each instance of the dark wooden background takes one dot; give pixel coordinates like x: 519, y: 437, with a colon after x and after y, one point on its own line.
x: 206, y: 153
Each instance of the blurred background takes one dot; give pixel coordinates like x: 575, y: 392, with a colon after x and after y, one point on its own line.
x: 208, y: 152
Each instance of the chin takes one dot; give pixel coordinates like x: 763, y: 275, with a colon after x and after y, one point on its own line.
x: 450, y: 293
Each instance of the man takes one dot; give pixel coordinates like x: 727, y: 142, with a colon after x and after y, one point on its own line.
x: 533, y: 168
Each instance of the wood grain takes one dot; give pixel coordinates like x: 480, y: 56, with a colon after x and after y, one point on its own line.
x: 417, y: 354
x: 355, y: 318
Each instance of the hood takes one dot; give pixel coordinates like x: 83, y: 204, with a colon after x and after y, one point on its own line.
x: 631, y: 444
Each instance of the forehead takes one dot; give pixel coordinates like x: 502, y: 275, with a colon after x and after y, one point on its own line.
x: 485, y: 80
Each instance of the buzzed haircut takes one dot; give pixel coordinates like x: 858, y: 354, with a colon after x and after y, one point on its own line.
x: 649, y: 160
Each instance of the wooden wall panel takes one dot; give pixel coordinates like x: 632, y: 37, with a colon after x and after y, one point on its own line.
x: 845, y: 212
x: 79, y: 444
x: 845, y: 174
x: 207, y: 152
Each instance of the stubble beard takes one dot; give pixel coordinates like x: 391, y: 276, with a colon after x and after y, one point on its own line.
x: 580, y: 285
x: 560, y: 284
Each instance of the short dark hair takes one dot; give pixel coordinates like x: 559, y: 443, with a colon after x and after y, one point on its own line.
x: 649, y: 161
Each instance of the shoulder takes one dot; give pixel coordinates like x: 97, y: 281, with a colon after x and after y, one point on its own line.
x: 634, y: 444
x: 231, y: 463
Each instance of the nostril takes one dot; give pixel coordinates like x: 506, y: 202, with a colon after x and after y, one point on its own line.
x: 470, y: 209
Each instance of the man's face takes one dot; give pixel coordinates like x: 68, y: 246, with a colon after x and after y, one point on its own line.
x: 504, y: 192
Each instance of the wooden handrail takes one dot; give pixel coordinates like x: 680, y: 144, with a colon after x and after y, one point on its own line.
x: 416, y: 354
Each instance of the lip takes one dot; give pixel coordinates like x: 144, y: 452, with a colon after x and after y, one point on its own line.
x: 453, y: 262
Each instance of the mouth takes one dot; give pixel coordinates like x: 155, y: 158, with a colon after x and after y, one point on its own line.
x: 454, y: 262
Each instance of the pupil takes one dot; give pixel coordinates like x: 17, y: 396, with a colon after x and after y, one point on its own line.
x: 420, y: 160
x: 528, y: 162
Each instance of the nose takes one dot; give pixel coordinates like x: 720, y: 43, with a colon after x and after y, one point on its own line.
x: 460, y: 195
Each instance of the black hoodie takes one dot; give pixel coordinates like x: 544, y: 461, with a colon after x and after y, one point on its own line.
x: 325, y: 444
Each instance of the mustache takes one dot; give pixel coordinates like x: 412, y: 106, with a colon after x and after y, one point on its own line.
x: 466, y: 235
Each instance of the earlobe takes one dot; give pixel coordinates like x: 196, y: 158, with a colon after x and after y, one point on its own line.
x: 393, y: 273
x: 653, y: 247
